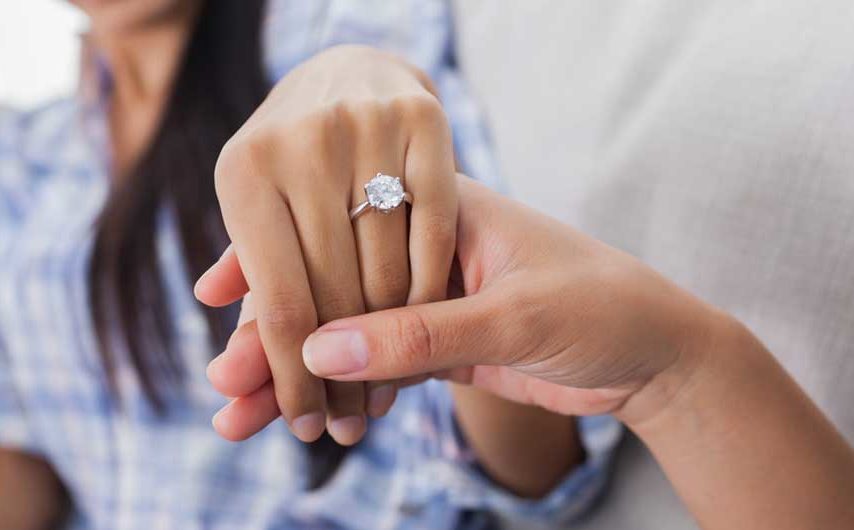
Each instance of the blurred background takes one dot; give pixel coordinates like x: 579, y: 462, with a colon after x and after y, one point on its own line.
x: 39, y: 46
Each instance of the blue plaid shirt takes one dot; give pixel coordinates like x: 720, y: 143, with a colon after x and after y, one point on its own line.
x: 130, y: 469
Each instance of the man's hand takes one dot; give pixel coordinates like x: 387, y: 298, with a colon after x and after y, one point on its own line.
x: 553, y: 318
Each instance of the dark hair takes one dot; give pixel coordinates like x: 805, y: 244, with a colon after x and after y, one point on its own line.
x: 219, y: 83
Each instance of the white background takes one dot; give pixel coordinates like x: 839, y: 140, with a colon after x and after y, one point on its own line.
x: 39, y: 50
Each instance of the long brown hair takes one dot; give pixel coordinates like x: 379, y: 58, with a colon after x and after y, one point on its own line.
x: 220, y: 82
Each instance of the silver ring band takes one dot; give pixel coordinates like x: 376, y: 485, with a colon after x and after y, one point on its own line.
x: 364, y: 206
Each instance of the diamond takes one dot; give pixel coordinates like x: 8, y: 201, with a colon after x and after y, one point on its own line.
x: 385, y: 193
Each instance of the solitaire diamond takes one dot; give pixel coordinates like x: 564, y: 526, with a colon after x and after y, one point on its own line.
x: 385, y: 193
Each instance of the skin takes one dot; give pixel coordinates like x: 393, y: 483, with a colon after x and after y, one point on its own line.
x: 286, y: 182
x: 557, y: 319
x: 322, y: 133
x: 31, y: 496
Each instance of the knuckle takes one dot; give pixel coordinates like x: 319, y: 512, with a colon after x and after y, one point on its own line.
x: 242, y: 157
x: 411, y: 339
x: 289, y: 313
x: 527, y: 310
x: 370, y: 110
x: 334, y: 303
x: 422, y: 108
x: 230, y: 163
x: 529, y: 319
x: 331, y: 117
x: 386, y: 286
x: 365, y: 117
x: 439, y: 231
x: 320, y: 133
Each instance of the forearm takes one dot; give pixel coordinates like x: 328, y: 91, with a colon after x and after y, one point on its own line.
x: 31, y: 497
x: 526, y: 449
x: 746, y: 448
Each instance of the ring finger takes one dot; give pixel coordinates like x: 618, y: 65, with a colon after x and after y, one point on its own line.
x: 381, y: 237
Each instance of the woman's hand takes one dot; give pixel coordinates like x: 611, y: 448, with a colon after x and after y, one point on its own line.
x: 286, y: 183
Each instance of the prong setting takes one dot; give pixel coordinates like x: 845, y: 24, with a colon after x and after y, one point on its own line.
x: 385, y: 193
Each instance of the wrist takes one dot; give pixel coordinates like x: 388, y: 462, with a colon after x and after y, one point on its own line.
x: 718, y: 352
x: 735, y: 430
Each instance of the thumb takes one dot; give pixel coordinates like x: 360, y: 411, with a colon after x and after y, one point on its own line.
x: 409, y: 341
x: 222, y: 284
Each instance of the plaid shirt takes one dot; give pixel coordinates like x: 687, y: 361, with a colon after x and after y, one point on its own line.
x: 131, y: 469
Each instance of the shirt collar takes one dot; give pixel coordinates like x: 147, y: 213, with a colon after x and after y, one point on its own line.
x: 95, y: 86
x: 96, y: 81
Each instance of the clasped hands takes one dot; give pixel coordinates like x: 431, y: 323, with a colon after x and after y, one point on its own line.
x: 533, y: 310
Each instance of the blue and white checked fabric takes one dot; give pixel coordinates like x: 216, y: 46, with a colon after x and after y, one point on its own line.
x: 128, y: 468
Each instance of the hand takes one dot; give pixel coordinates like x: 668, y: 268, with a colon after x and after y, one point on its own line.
x: 286, y: 182
x: 553, y: 318
x: 546, y: 316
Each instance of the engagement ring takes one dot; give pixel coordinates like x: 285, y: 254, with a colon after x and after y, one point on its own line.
x: 384, y: 194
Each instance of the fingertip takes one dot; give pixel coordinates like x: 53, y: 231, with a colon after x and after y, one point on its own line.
x: 348, y: 430
x: 309, y: 427
x: 199, y: 288
x: 245, y: 416
x: 213, y: 373
x: 214, y: 291
x: 224, y: 426
x: 199, y: 291
x: 223, y: 283
x: 230, y: 426
x: 243, y: 367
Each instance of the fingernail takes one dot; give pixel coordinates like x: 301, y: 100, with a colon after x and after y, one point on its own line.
x: 199, y: 282
x: 335, y: 352
x: 212, y: 366
x: 309, y: 427
x: 347, y: 430
x: 219, y: 421
x: 380, y: 400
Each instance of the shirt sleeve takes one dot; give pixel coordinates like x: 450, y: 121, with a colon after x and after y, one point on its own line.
x: 450, y: 471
